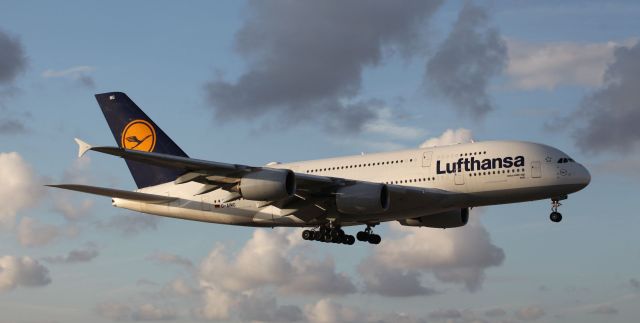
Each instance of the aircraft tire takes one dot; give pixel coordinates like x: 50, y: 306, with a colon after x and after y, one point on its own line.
x: 374, y: 239
x: 555, y: 217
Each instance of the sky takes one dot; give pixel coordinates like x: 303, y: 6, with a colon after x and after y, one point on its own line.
x: 253, y: 82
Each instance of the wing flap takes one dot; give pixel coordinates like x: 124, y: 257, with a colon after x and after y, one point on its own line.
x: 111, y: 192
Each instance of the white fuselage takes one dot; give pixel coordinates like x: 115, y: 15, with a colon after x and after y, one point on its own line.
x: 477, y: 174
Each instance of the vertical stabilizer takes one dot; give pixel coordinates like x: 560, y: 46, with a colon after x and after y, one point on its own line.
x: 133, y: 129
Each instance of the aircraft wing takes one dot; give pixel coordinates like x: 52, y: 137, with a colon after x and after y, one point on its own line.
x: 111, y: 192
x: 309, y: 187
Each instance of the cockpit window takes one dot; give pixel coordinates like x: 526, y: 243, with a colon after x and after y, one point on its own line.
x: 565, y: 160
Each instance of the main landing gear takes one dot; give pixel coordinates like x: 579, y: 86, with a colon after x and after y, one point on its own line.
x: 334, y: 234
x: 368, y: 236
x: 555, y: 216
x: 329, y: 234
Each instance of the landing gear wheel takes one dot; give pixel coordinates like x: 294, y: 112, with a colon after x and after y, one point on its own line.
x: 307, y: 235
x: 555, y: 217
x: 374, y: 239
x: 362, y: 236
x: 350, y: 240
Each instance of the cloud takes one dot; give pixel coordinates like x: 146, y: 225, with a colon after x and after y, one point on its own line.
x: 495, y: 312
x: 270, y: 260
x: 86, y: 254
x: 549, y: 65
x: 13, y: 59
x: 634, y: 283
x: 606, y: 120
x: 21, y: 188
x: 313, y: 72
x: 150, y: 312
x: 443, y: 314
x: 169, y: 258
x: 33, y: 233
x: 449, y: 137
x: 129, y: 224
x: 385, y: 124
x: 458, y: 256
x: 329, y: 311
x: 12, y: 127
x: 604, y: 309
x: 460, y: 70
x: 530, y: 313
x: 68, y: 203
x: 143, y: 312
x: 79, y: 74
x: 22, y: 271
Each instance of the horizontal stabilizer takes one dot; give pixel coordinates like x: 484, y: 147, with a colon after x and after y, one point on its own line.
x: 111, y: 192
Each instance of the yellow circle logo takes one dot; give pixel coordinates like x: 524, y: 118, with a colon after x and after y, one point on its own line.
x: 139, y: 135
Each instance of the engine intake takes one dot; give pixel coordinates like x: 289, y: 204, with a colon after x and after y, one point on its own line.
x: 449, y: 219
x: 267, y: 185
x: 363, y: 198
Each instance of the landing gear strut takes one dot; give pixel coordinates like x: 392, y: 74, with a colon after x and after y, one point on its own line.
x: 328, y: 233
x: 368, y: 236
x: 555, y: 216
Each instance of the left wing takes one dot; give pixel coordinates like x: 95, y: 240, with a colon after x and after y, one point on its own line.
x: 309, y: 188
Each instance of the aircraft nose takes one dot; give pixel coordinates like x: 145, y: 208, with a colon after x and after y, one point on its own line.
x: 584, y: 177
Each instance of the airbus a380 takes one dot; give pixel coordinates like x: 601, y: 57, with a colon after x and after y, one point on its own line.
x: 430, y: 187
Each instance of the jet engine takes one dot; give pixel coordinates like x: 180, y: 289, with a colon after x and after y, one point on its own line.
x: 267, y: 185
x: 363, y: 198
x: 449, y: 219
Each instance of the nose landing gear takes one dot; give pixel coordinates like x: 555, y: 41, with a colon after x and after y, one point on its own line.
x: 555, y: 216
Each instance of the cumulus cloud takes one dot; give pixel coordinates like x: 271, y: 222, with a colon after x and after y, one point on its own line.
x: 604, y: 309
x: 85, y: 254
x: 449, y: 137
x: 607, y: 118
x: 548, y: 65
x: 458, y: 256
x: 32, y: 233
x: 22, y: 271
x: 13, y: 59
x: 79, y: 74
x: 169, y: 258
x: 460, y: 70
x: 495, y: 312
x: 530, y: 313
x: 270, y: 260
x: 328, y: 311
x: 21, y: 188
x: 634, y: 283
x: 442, y: 314
x: 13, y: 62
x: 66, y: 202
x: 314, y: 71
x: 11, y: 127
x: 143, y: 312
x: 128, y: 224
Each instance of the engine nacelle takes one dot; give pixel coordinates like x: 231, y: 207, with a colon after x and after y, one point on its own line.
x: 449, y: 219
x: 363, y: 198
x: 267, y: 185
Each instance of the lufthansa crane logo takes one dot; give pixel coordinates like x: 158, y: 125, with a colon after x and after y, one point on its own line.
x: 139, y: 135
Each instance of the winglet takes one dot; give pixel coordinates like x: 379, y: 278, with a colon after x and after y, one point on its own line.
x: 82, y: 147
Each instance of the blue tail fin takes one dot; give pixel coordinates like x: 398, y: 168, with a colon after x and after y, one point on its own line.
x: 133, y: 129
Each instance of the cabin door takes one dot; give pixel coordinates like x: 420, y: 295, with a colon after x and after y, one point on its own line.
x: 426, y: 158
x: 536, y: 169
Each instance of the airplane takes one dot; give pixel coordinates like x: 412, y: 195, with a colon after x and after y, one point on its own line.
x: 426, y: 187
